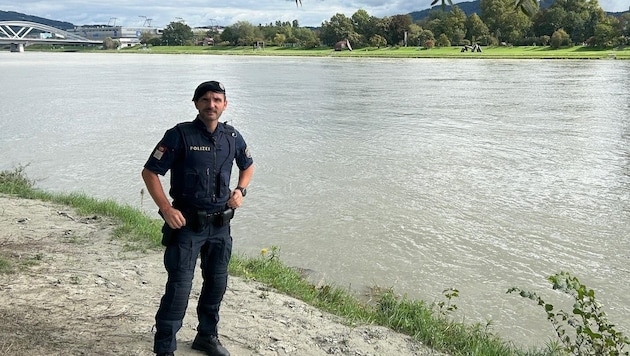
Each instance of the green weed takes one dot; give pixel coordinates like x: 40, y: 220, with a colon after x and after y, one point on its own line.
x: 586, y: 329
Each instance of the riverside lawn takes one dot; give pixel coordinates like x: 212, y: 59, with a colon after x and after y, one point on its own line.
x: 490, y: 52
x: 428, y: 323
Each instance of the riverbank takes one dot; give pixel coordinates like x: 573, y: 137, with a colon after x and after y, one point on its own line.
x: 68, y: 288
x: 78, y: 275
x: 491, y: 52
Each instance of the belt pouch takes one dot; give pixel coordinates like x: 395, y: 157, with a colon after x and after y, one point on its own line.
x: 224, y: 217
x: 201, y: 221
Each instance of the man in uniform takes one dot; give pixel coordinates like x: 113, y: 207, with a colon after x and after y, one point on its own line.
x: 200, y: 155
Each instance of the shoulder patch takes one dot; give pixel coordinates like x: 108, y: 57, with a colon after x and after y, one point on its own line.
x: 159, y: 152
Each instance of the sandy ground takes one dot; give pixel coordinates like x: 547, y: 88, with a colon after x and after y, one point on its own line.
x: 74, y: 291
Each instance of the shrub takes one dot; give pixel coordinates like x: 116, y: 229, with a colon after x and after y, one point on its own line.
x: 443, y: 41
x: 592, y: 333
x: 559, y: 39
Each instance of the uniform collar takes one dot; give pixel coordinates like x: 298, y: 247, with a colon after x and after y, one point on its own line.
x: 200, y: 125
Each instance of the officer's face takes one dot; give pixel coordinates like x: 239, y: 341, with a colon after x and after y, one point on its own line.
x: 211, y: 106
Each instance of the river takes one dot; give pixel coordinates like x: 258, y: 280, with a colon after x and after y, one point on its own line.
x: 415, y: 174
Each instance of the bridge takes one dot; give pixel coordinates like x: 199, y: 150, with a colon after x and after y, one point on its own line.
x: 19, y: 34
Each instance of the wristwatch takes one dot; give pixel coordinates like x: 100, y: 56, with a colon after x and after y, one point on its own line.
x: 243, y: 190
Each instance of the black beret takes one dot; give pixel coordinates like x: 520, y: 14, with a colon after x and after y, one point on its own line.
x: 205, y: 87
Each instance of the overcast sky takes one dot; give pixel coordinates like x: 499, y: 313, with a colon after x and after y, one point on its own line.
x: 227, y: 12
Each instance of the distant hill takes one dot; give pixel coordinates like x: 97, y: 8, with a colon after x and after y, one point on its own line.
x: 16, y: 16
x: 468, y: 7
x: 472, y: 7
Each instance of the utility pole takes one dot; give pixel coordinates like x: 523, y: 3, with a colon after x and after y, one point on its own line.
x: 147, y: 21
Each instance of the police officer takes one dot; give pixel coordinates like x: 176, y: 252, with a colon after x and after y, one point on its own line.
x: 200, y: 155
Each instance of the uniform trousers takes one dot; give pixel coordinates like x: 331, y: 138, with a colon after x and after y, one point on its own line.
x: 213, y: 245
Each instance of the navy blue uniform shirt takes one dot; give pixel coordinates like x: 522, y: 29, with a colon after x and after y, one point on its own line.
x: 200, y: 163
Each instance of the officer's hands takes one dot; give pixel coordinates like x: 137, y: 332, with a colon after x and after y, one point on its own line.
x: 173, y: 217
x: 236, y: 199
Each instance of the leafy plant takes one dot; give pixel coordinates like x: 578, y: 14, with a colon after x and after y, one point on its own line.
x: 446, y: 307
x: 591, y: 333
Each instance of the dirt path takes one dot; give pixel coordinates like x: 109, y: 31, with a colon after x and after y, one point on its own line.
x: 74, y: 291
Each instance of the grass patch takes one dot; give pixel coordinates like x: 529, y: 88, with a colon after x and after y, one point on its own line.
x: 6, y: 266
x: 425, y: 322
x: 9, y: 265
x: 134, y: 228
x: 489, y: 52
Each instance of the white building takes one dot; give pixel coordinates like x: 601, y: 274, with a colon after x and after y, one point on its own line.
x: 127, y: 36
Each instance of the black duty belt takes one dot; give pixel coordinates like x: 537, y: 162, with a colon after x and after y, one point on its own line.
x: 216, y: 218
x: 198, y: 219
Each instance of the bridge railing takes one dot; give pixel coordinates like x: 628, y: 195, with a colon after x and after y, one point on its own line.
x: 24, y: 32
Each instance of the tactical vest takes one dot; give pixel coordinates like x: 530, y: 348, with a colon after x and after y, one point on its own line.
x: 201, y: 177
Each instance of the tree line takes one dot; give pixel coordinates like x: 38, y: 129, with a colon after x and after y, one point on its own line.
x: 564, y: 23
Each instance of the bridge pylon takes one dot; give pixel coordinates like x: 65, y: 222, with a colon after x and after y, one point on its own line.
x: 16, y: 47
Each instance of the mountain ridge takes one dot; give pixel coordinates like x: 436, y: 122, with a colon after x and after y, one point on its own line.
x: 474, y: 7
x: 17, y: 16
x: 468, y: 7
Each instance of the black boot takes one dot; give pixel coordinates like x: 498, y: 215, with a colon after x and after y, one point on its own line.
x: 210, y: 344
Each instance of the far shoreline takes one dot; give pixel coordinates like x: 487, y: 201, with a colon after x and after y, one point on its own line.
x: 453, y: 52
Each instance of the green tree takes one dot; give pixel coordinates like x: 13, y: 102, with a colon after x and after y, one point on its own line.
x: 378, y: 41
x: 547, y: 21
x: 279, y: 39
x: 455, y: 25
x: 242, y: 33
x: 413, y: 35
x: 436, y: 23
x: 624, y: 24
x: 382, y: 28
x: 364, y: 24
x: 146, y: 37
x: 560, y: 39
x: 339, y: 27
x: 605, y: 35
x: 580, y: 18
x: 503, y: 20
x: 177, y: 34
x: 424, y: 36
x: 229, y: 35
x: 305, y: 35
x: 475, y: 28
x: 109, y: 43
x: 398, y: 26
x: 443, y: 41
x: 155, y: 41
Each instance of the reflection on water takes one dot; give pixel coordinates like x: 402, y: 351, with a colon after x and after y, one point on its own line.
x: 414, y: 174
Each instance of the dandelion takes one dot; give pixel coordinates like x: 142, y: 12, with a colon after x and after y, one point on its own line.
x: 264, y: 251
